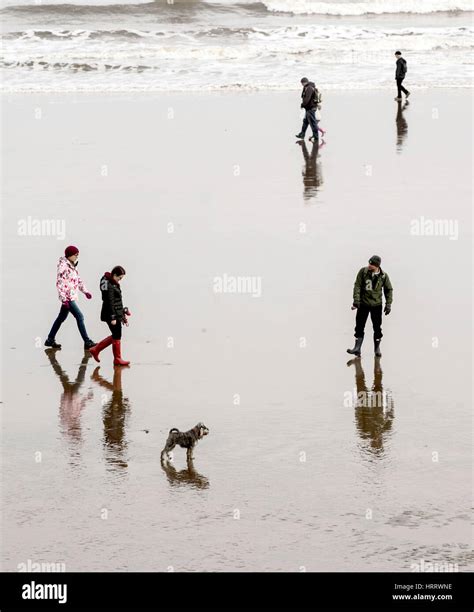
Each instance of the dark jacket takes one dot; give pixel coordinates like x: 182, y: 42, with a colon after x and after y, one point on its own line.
x: 401, y: 70
x: 112, y: 306
x: 368, y: 290
x: 310, y: 96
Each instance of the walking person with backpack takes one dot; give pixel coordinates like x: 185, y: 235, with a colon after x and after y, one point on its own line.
x: 400, y: 74
x: 369, y: 285
x: 68, y: 284
x: 310, y: 102
x: 113, y: 313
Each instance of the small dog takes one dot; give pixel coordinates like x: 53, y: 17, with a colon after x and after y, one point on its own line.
x: 185, y: 439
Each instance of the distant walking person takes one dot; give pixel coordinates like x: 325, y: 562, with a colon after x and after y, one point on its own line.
x: 310, y: 101
x: 68, y: 284
x: 367, y: 299
x: 113, y: 313
x: 400, y: 74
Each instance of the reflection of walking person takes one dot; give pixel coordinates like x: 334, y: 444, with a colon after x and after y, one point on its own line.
x: 68, y: 284
x: 402, y: 125
x: 312, y: 174
x: 400, y: 74
x: 367, y: 299
x: 114, y: 416
x: 310, y: 102
x: 72, y: 402
x: 113, y: 313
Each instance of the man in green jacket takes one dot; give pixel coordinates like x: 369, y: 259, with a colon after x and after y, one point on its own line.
x: 368, y: 287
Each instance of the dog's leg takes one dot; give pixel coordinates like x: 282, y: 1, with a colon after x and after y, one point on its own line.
x: 163, y: 452
x: 168, y: 447
x: 189, y: 454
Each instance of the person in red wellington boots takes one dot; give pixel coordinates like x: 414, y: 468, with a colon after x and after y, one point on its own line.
x: 113, y: 313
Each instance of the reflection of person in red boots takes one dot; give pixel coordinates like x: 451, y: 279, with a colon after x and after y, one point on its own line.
x: 113, y: 313
x: 115, y: 416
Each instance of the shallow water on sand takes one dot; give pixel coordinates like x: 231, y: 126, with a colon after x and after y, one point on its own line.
x: 294, y: 473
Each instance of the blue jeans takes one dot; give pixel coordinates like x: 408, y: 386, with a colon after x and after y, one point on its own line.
x: 62, y: 316
x: 310, y: 119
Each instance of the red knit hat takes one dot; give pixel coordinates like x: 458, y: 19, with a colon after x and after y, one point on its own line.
x: 71, y: 250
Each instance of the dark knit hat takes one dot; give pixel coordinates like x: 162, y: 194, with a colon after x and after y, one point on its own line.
x: 375, y: 260
x: 71, y: 250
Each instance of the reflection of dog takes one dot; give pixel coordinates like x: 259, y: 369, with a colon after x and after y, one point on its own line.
x: 187, y: 478
x: 185, y: 439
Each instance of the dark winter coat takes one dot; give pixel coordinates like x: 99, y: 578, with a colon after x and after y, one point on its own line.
x: 310, y: 97
x: 401, y: 70
x: 112, y: 306
x: 368, y: 288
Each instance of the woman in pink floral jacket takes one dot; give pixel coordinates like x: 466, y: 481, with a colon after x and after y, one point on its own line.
x: 68, y: 284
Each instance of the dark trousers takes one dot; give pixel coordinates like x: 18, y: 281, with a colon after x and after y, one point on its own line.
x: 361, y: 318
x: 116, y: 330
x: 400, y: 88
x: 62, y: 316
x: 310, y: 119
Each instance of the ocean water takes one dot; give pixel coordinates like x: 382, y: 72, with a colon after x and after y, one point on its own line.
x: 192, y: 45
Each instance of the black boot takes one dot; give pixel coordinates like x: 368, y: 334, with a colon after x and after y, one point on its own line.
x: 357, y: 347
x: 89, y: 344
x: 378, y: 352
x: 52, y: 344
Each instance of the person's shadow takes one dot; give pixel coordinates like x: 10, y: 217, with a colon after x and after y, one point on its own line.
x: 188, y: 477
x: 402, y: 125
x: 312, y: 171
x: 374, y: 410
x: 72, y: 402
x: 115, y: 413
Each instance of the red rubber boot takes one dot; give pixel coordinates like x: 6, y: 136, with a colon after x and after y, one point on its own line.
x: 117, y: 356
x: 95, y: 350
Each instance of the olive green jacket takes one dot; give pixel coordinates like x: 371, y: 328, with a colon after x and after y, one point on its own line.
x: 365, y: 294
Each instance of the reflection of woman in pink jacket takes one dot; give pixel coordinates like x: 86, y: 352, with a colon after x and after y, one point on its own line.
x: 68, y: 284
x: 72, y: 401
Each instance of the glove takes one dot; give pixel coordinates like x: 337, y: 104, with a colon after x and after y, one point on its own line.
x: 67, y: 303
x: 88, y: 295
x: 354, y: 306
x: 387, y: 309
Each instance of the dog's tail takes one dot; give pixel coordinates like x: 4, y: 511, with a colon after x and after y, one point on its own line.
x: 174, y: 430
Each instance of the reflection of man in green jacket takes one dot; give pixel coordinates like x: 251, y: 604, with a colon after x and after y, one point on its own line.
x: 368, y: 287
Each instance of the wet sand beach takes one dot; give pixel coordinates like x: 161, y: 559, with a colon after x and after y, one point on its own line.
x: 191, y: 192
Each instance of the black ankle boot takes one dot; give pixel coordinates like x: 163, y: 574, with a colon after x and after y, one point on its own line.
x: 357, y: 347
x: 52, y: 344
x: 89, y: 344
x: 378, y: 352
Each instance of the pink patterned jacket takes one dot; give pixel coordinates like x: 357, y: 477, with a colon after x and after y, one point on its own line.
x: 68, y: 282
